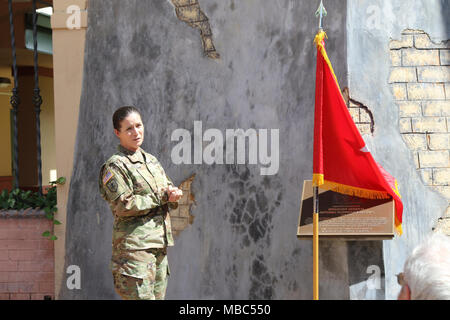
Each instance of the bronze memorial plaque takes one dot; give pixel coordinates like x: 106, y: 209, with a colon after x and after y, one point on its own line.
x: 346, y: 217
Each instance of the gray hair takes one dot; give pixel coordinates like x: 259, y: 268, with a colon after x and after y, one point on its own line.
x: 427, y: 269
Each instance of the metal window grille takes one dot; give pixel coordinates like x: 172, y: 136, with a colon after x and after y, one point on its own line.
x: 15, y: 99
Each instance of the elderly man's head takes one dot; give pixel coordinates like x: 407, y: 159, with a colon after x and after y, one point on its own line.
x: 426, y: 274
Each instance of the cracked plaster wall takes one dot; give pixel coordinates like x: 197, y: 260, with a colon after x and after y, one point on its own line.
x: 420, y: 81
x: 242, y: 243
x: 371, y: 25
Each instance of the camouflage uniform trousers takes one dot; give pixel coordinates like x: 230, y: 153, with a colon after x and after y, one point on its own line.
x: 151, y: 287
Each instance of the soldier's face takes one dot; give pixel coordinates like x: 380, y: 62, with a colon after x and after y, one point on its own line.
x: 131, y: 133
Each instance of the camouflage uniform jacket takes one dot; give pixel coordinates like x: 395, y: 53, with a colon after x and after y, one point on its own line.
x: 131, y: 183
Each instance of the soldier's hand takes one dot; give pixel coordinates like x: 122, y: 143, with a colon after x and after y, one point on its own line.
x: 174, y: 194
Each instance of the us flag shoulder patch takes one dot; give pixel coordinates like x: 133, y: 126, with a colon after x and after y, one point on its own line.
x: 107, y: 177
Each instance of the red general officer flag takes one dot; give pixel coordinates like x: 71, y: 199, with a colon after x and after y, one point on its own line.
x: 342, y: 162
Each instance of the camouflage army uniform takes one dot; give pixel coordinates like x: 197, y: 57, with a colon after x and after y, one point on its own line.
x: 131, y: 183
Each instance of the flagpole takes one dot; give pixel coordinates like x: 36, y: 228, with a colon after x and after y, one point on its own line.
x: 316, y: 243
x: 321, y: 12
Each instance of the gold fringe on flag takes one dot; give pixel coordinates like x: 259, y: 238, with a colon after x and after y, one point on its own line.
x: 354, y: 191
x: 360, y: 192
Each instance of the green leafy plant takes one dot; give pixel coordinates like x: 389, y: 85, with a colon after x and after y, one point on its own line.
x: 20, y: 199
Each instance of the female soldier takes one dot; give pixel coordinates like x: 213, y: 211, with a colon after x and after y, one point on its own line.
x: 139, y: 194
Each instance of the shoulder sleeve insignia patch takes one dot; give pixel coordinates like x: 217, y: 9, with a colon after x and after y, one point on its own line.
x: 112, y: 185
x: 107, y: 177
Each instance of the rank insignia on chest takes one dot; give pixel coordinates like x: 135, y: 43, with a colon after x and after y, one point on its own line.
x: 107, y: 177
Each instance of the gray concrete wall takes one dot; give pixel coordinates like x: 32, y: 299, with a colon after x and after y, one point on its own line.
x: 242, y: 243
x: 371, y: 25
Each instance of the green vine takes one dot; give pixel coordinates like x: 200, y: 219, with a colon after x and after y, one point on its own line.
x: 20, y: 199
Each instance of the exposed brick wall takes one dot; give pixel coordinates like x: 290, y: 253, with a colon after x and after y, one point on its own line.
x: 361, y: 114
x: 420, y: 83
x: 181, y: 217
x: 26, y: 257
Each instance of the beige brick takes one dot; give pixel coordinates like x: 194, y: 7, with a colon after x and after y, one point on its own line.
x: 425, y: 91
x: 396, y: 57
x: 441, y: 176
x: 433, y: 159
x: 412, y: 31
x: 364, y: 128
x: 364, y: 116
x: 443, y: 190
x: 429, y: 124
x: 407, y: 41
x: 184, y: 211
x: 184, y: 198
x: 409, y: 109
x: 354, y: 112
x: 427, y: 176
x: 403, y: 74
x: 414, y: 57
x: 439, y: 141
x: 444, y: 57
x: 175, y: 212
x: 399, y: 91
x: 447, y: 91
x: 415, y: 141
x: 436, y: 108
x: 433, y: 74
x: 179, y: 224
x: 404, y: 125
x: 443, y: 226
x: 422, y: 41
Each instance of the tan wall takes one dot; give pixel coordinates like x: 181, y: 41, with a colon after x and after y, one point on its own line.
x: 68, y: 56
x: 48, y: 145
x: 5, y: 136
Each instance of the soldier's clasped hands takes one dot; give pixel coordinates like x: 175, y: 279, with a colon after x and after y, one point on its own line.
x: 174, y: 193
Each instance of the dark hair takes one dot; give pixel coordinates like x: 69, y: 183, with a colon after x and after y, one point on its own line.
x: 121, y: 114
